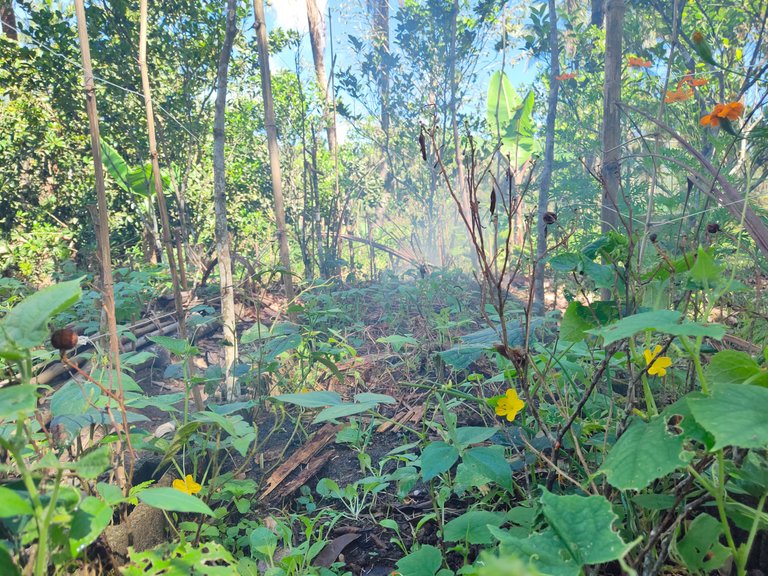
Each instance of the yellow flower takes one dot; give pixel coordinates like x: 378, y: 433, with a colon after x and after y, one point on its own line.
x: 509, y: 405
x: 187, y: 485
x: 657, y: 365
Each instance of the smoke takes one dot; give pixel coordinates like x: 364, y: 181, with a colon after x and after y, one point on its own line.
x: 292, y: 14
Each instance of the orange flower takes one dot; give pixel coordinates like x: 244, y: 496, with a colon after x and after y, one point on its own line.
x: 731, y: 111
x: 635, y: 62
x: 677, y: 96
x: 698, y: 37
x: 696, y: 82
x: 566, y: 76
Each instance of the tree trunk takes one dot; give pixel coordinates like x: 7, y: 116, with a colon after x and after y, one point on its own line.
x: 220, y: 206
x: 598, y: 13
x: 8, y: 19
x: 379, y: 10
x: 611, y: 128
x: 462, y: 185
x: 317, y: 39
x: 274, y: 152
x: 158, y: 181
x: 549, y: 154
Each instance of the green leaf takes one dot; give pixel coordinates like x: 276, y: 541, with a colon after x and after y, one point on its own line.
x: 700, y: 550
x: 566, y: 262
x: 89, y: 520
x: 576, y: 321
x: 644, y: 453
x: 92, y: 464
x: 584, y: 526
x: 175, y: 346
x: 342, y: 411
x: 174, y: 500
x: 544, y: 550
x: 17, y: 400
x: 735, y: 367
x: 315, y: 399
x: 263, y: 543
x: 665, y: 321
x: 436, y: 458
x: 467, y: 435
x: 472, y: 527
x: 26, y: 324
x: 255, y: 333
x: 734, y: 414
x: 491, y: 463
x: 375, y: 398
x: 461, y: 356
x: 654, y: 501
x: 426, y: 561
x: 13, y: 504
x: 705, y: 271
x: 74, y: 398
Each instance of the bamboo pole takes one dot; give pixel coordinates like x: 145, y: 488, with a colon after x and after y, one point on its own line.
x: 158, y: 181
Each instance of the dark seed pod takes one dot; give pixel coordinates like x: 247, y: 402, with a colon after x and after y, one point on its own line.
x: 653, y: 237
x: 423, y: 145
x: 549, y: 218
x: 493, y: 200
x: 64, y: 339
x: 713, y: 227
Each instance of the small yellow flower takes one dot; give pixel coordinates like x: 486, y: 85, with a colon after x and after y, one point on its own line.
x: 657, y: 365
x: 187, y: 485
x: 509, y: 405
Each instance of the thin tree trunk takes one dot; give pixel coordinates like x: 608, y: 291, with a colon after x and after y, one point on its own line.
x: 379, y: 10
x: 611, y: 129
x: 549, y: 155
x: 274, y: 151
x: 454, y: 105
x: 220, y: 206
x: 8, y: 19
x: 598, y: 13
x: 102, y: 233
x: 158, y: 181
x: 317, y: 39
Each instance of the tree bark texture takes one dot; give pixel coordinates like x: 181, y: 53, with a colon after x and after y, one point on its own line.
x: 8, y: 19
x: 611, y: 128
x: 317, y: 39
x: 223, y: 249
x: 274, y: 151
x: 549, y: 155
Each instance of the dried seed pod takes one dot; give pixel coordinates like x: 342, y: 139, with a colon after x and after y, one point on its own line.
x: 549, y: 218
x: 493, y: 201
x: 653, y: 237
x: 64, y: 339
x: 423, y: 145
x: 713, y: 227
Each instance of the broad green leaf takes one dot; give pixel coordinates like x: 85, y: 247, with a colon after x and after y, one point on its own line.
x: 426, y: 561
x: 174, y: 500
x: 398, y: 342
x: 315, y: 399
x: 342, y: 411
x: 460, y: 357
x: 576, y: 321
x: 89, y: 520
x: 255, y: 333
x: 734, y: 414
x: 436, y: 458
x: 472, y: 527
x: 26, y: 324
x: 700, y: 550
x: 116, y: 166
x: 263, y: 543
x: 467, y: 435
x: 175, y: 346
x: 74, y: 398
x: 566, y: 262
x: 644, y: 453
x: 376, y: 398
x: 501, y: 105
x: 108, y: 379
x: 491, y: 463
x: 16, y: 400
x: 705, y: 270
x: 7, y: 562
x: 665, y: 321
x: 584, y: 525
x: 13, y: 504
x: 225, y: 423
x: 544, y: 550
x: 735, y: 367
x: 654, y: 501
x: 92, y: 464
